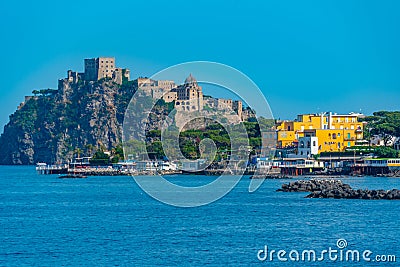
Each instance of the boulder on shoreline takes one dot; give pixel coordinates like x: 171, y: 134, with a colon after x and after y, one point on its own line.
x: 337, y: 189
x: 313, y: 185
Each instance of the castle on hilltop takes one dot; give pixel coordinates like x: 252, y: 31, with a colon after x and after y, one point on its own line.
x: 96, y: 69
x: 188, y: 96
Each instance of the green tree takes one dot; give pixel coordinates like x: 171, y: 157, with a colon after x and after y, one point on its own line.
x: 89, y: 148
x: 117, y: 154
x: 386, y: 152
x: 383, y: 123
x: 35, y: 92
x: 100, y: 158
x: 78, y: 152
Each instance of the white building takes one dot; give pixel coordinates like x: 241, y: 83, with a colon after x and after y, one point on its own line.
x: 307, y: 147
x: 264, y: 164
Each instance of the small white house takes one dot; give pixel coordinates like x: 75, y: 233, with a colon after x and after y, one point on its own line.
x: 307, y: 147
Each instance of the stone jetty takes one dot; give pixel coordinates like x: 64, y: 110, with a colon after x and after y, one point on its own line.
x: 313, y: 185
x: 337, y: 189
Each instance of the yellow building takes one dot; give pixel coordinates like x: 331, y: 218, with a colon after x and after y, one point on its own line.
x: 334, y: 132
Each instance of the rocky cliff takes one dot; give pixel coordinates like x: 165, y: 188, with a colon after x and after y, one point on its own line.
x: 83, y: 117
x: 52, y: 126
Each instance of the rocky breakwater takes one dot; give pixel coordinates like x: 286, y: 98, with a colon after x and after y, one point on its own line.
x: 337, y: 189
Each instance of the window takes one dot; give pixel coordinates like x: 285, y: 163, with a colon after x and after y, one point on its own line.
x: 348, y: 144
x: 314, y: 143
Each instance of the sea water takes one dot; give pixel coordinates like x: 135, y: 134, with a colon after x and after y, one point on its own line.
x: 110, y: 221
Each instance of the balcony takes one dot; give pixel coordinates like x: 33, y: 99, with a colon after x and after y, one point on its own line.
x: 349, y: 139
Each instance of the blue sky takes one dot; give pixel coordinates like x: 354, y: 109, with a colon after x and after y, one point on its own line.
x: 306, y: 56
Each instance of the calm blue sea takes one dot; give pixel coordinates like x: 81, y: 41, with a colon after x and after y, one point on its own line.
x: 109, y: 221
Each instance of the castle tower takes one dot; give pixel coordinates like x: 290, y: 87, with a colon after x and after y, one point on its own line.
x: 97, y: 68
x: 104, y: 67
